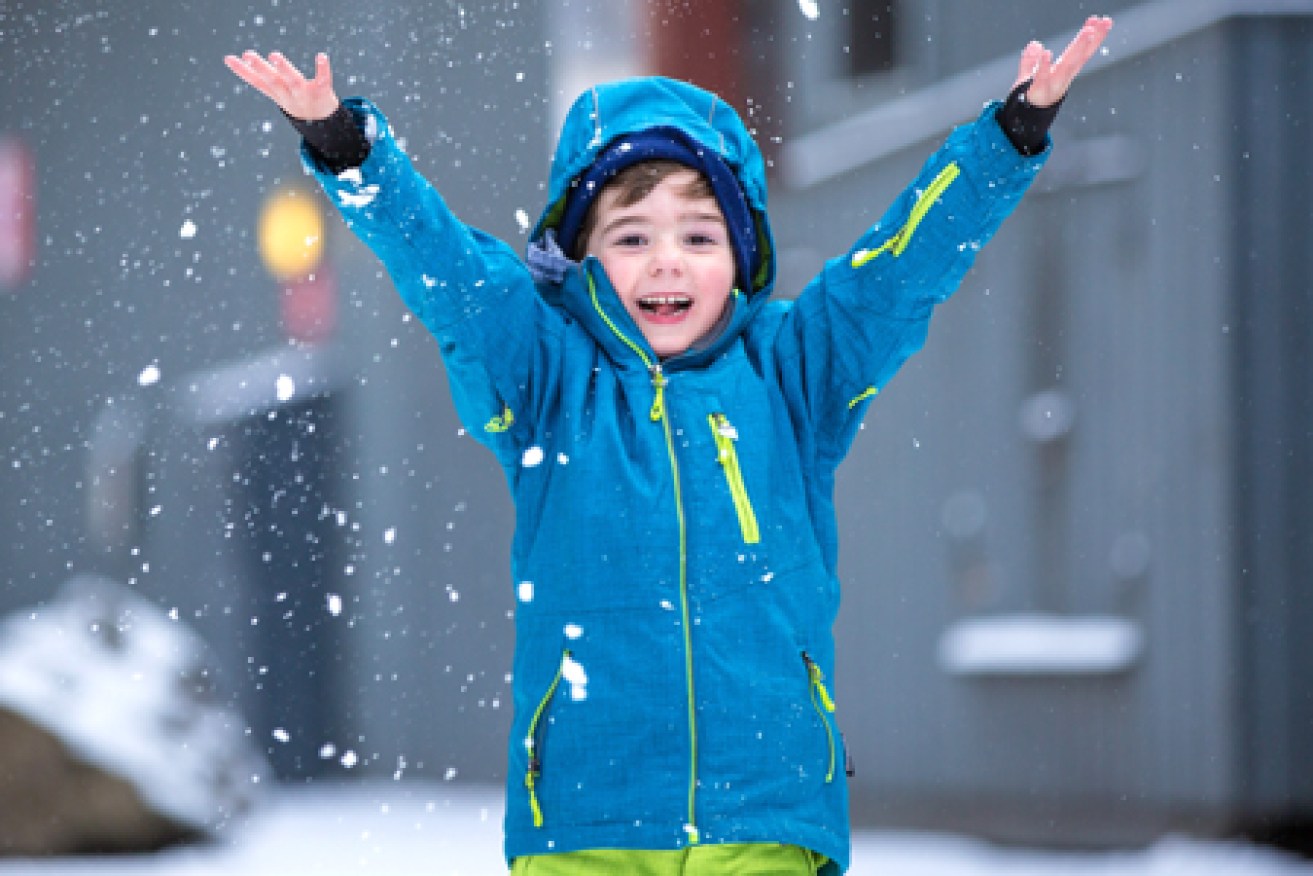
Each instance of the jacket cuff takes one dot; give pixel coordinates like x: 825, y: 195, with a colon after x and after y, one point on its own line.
x: 1027, y: 125
x: 337, y: 141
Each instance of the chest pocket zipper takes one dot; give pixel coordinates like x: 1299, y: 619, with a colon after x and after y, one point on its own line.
x: 727, y: 455
x: 531, y: 743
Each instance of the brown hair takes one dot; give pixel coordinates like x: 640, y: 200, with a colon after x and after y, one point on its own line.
x: 632, y: 185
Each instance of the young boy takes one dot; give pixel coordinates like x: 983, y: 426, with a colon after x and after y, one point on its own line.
x: 676, y: 577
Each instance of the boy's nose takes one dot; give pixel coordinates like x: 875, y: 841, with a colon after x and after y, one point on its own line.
x: 666, y: 259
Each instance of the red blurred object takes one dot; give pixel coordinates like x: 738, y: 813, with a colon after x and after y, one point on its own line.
x: 17, y: 212
x: 309, y: 306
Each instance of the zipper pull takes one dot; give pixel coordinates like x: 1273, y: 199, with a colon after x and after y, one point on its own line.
x: 818, y: 679
x: 659, y: 400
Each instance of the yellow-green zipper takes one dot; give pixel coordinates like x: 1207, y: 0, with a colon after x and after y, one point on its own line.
x: 824, y: 705
x: 900, y: 241
x: 657, y: 413
x: 534, y: 769
x: 726, y: 437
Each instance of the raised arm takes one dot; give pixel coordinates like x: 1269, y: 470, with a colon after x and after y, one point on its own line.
x: 865, y: 313
x: 467, y: 288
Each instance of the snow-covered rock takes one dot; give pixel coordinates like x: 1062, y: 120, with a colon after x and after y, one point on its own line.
x: 111, y: 732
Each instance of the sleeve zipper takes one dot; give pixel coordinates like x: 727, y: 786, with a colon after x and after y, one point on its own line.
x: 900, y: 241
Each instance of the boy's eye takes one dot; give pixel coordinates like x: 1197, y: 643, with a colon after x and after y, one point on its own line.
x: 630, y: 240
x: 698, y: 238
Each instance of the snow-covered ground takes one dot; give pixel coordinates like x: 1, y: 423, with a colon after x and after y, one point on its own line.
x: 445, y: 830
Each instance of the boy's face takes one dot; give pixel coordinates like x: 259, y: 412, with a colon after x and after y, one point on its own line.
x: 669, y: 258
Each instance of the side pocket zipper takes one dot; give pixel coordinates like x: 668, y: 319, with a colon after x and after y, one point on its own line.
x: 824, y: 705
x: 725, y: 436
x: 534, y: 769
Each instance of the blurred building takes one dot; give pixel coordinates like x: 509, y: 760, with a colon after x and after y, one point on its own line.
x: 1073, y: 528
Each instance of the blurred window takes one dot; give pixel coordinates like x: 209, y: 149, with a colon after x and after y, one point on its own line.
x: 871, y: 33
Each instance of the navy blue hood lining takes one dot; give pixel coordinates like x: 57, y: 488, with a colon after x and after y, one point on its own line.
x: 670, y: 144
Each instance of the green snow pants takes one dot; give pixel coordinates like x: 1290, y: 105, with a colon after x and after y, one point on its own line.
x: 755, y: 859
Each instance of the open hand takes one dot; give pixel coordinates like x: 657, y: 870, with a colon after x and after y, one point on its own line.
x: 278, y: 80
x: 1050, y: 79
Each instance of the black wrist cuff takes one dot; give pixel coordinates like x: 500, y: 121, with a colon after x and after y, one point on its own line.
x: 1026, y: 125
x: 337, y: 140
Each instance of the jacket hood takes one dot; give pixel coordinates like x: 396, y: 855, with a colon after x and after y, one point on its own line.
x: 630, y: 106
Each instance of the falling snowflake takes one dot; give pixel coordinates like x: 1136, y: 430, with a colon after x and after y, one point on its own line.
x: 285, y: 387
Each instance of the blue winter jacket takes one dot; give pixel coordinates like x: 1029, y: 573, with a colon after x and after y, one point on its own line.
x: 674, y: 559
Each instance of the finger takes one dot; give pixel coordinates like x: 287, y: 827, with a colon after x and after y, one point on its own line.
x: 1083, y: 46
x: 244, y: 72
x: 261, y: 69
x: 284, y: 68
x: 323, y: 72
x: 1030, y: 57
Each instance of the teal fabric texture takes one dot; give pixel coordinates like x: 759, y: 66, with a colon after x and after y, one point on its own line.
x: 673, y: 567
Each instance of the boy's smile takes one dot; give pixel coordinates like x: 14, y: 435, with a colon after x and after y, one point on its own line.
x: 670, y: 260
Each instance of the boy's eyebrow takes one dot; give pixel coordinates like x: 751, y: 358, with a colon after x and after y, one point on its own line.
x: 632, y: 219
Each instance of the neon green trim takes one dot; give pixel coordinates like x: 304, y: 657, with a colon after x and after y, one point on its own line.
x: 615, y: 329
x: 869, y: 392
x: 760, y: 857
x: 824, y: 705
x: 725, y: 437
x: 691, y: 827
x: 531, y: 743
x: 501, y: 423
x: 900, y: 241
x: 658, y: 413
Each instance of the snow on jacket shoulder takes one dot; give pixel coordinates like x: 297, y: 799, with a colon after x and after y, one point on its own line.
x: 675, y: 547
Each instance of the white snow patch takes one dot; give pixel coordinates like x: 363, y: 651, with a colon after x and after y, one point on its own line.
x: 573, y: 631
x: 334, y: 604
x: 810, y: 8
x: 285, y: 387
x: 188, y: 230
x: 390, y: 535
x: 362, y: 197
x: 532, y: 456
x: 526, y: 591
x: 562, y: 459
x: 573, y: 672
x: 522, y: 219
x: 149, y: 376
